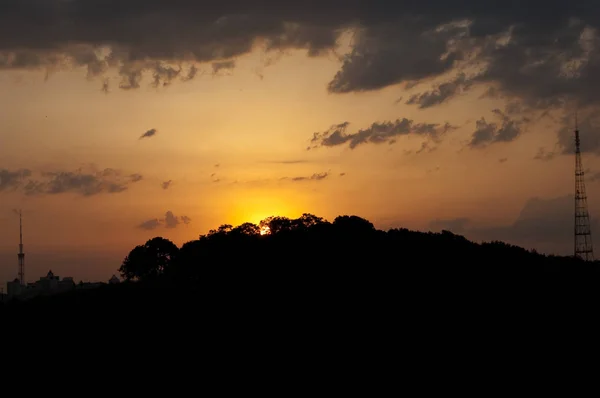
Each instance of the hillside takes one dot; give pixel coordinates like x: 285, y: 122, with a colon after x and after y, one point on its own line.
x: 311, y: 262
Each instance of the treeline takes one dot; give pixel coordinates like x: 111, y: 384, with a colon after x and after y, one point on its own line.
x: 309, y: 268
x: 350, y: 248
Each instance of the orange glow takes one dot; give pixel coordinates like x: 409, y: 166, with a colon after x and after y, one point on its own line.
x: 265, y: 230
x: 257, y: 206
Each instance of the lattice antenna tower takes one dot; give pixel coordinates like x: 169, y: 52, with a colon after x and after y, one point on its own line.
x: 21, y: 255
x: 583, y: 234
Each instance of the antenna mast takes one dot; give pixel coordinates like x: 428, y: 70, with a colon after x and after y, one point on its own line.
x: 21, y: 255
x: 583, y: 234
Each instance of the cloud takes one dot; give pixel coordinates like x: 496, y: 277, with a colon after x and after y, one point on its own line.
x: 12, y: 180
x: 487, y: 133
x: 222, y: 66
x: 150, y: 224
x: 544, y: 59
x: 543, y: 224
x: 314, y: 177
x: 441, y: 92
x: 455, y: 225
x: 148, y: 134
x: 377, y: 133
x: 170, y: 220
x: 292, y: 161
x: 166, y: 184
x: 502, y: 160
x: 83, y: 182
x: 394, y: 42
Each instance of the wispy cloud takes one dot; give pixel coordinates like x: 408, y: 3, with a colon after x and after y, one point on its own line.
x: 170, y: 220
x: 377, y: 133
x: 148, y: 134
x: 86, y: 182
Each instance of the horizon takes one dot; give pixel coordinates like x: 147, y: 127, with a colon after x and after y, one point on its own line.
x: 170, y: 120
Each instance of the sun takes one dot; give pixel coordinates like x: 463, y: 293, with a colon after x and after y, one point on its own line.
x: 265, y: 230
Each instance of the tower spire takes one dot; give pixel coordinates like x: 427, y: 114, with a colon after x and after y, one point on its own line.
x: 21, y: 255
x: 583, y: 234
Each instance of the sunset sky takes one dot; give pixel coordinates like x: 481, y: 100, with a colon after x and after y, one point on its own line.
x: 125, y: 120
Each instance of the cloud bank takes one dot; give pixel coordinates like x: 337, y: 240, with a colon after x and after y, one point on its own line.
x: 81, y: 182
x: 542, y: 55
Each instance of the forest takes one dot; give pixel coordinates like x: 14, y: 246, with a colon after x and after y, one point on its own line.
x: 310, y: 259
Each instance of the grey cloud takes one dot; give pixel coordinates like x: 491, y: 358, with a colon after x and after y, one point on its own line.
x: 394, y: 42
x: 223, y: 65
x: 390, y: 53
x: 166, y: 184
x: 315, y: 177
x: 487, y: 133
x: 12, y: 180
x: 441, y: 92
x: 149, y: 133
x: 454, y: 225
x: 377, y: 133
x: 150, y: 224
x: 86, y: 183
x: 543, y: 224
x: 589, y: 127
x: 170, y: 220
x: 294, y: 161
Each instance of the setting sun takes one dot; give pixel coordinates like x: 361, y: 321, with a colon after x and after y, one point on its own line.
x: 265, y: 230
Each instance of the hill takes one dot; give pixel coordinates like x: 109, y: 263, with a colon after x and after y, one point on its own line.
x: 311, y: 263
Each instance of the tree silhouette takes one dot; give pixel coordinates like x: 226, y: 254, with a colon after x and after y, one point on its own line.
x: 150, y: 260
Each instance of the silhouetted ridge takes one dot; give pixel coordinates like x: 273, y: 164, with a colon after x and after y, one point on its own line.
x: 287, y: 264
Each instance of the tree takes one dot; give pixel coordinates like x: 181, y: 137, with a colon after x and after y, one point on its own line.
x: 150, y: 260
x: 276, y: 224
x: 247, y: 229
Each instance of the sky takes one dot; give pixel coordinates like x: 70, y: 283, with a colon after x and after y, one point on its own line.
x: 122, y: 121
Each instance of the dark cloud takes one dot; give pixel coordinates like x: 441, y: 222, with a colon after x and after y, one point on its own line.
x: 150, y: 224
x: 588, y: 124
x: 486, y: 133
x: 377, y: 133
x: 222, y: 66
x: 441, y: 92
x: 293, y: 161
x: 524, y: 52
x: 314, y: 177
x: 12, y: 180
x: 543, y: 54
x: 148, y: 134
x: 170, y: 220
x: 166, y: 184
x: 543, y: 224
x: 86, y: 183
